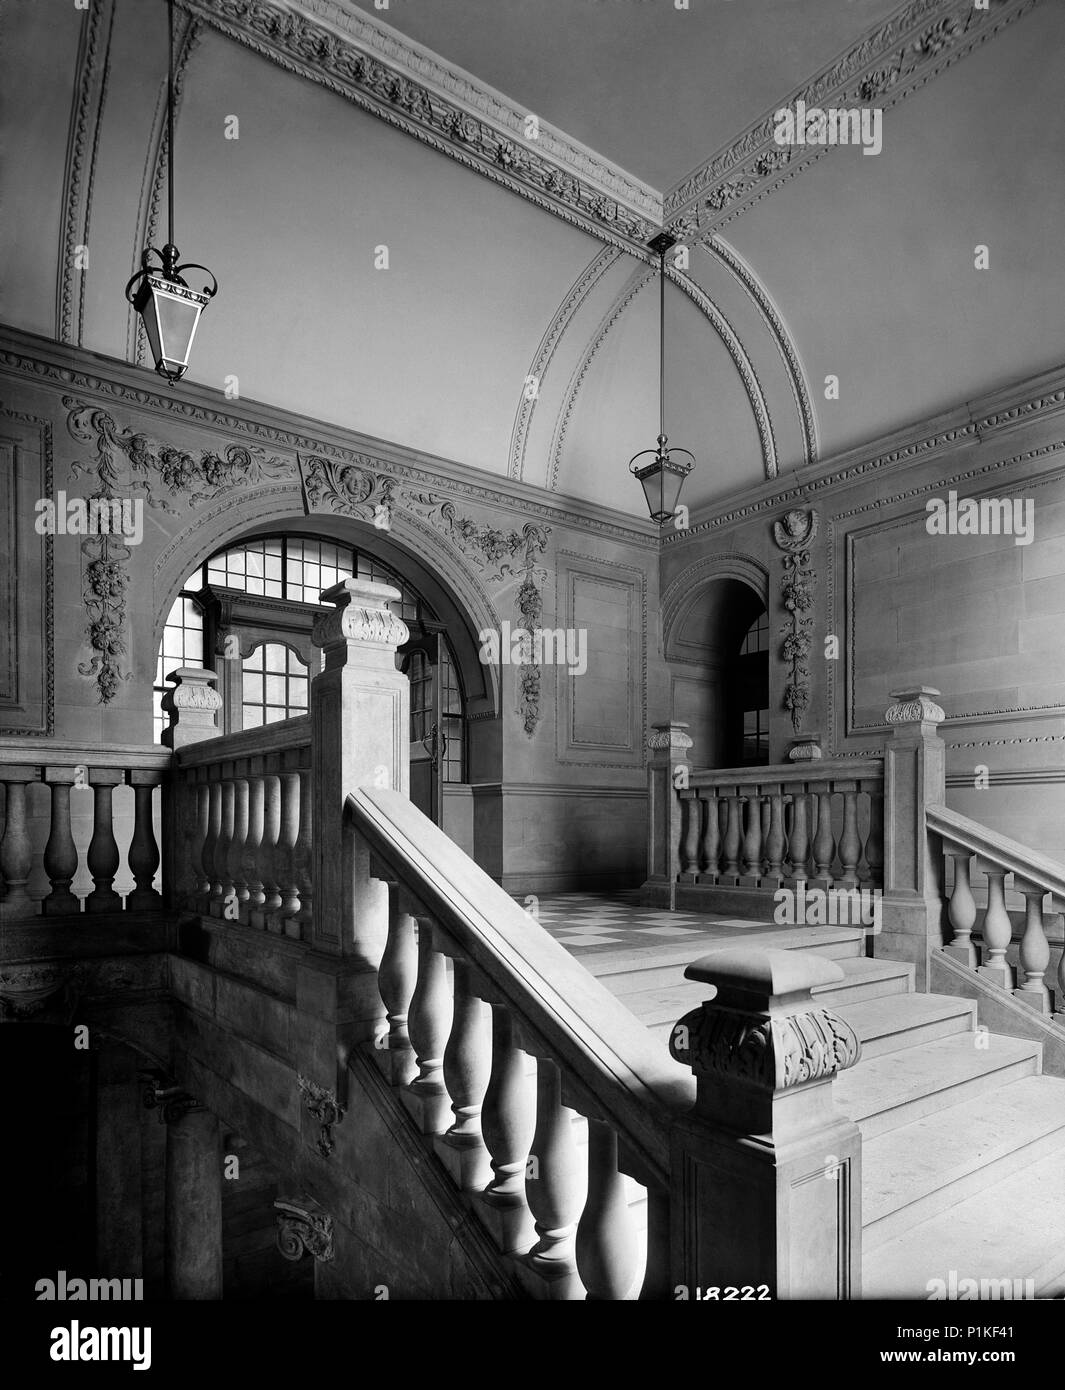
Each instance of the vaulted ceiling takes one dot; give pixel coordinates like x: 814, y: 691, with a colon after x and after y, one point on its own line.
x: 515, y: 327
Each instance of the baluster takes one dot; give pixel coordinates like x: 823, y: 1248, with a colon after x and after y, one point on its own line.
x: 657, y: 1286
x: 997, y: 929
x: 200, y: 794
x: 238, y: 845
x: 752, y: 842
x: 850, y: 844
x: 214, y: 822
x: 268, y: 850
x: 824, y: 840
x: 60, y: 853
x: 553, y: 1187
x: 252, y: 844
x: 467, y: 1063
x: 396, y: 979
x: 284, y: 859
x: 711, y: 848
x: 689, y: 850
x: 774, y: 840
x: 799, y: 839
x: 143, y: 849
x: 16, y: 858
x: 428, y: 1023
x: 962, y: 910
x: 1035, y: 949
x: 225, y: 894
x: 103, y: 857
x: 303, y: 920
x: 606, y: 1241
x: 732, y: 840
x: 507, y: 1122
x: 874, y: 844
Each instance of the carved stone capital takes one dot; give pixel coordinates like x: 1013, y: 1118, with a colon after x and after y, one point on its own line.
x: 805, y: 748
x: 303, y: 1231
x: 668, y: 736
x: 915, y: 706
x: 322, y: 1104
x: 762, y: 1030
x: 172, y: 1102
x: 361, y: 615
x: 192, y: 706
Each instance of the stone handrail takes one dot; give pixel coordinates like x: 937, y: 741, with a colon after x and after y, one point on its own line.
x: 39, y: 779
x: 1033, y: 876
x: 592, y: 1056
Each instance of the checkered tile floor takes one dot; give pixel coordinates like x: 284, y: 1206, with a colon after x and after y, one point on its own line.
x: 588, y: 922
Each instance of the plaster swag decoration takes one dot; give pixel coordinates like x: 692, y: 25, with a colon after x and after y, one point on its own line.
x: 504, y: 556
x: 794, y: 535
x: 322, y: 1104
x: 127, y: 462
x: 345, y: 489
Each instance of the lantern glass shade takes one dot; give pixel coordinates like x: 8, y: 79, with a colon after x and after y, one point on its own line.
x: 662, y: 481
x: 171, y: 312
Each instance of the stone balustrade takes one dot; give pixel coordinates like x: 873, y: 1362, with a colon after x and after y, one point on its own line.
x: 547, y: 1101
x: 241, y: 827
x: 1034, y: 877
x: 51, y: 790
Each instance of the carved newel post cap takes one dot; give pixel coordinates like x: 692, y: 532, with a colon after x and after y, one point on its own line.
x: 668, y: 736
x: 362, y: 616
x: 805, y: 748
x: 761, y: 1033
x: 915, y: 704
x: 192, y: 706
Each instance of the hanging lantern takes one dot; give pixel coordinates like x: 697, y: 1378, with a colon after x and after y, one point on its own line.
x: 663, y: 477
x: 169, y: 309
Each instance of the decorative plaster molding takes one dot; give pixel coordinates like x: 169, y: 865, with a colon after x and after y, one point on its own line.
x: 190, y: 406
x: 347, y: 489
x: 45, y: 431
x: 303, y: 1231
x: 851, y: 728
x: 385, y: 74
x: 892, y: 61
x: 719, y: 249
x: 90, y: 93
x: 563, y: 316
x: 322, y: 1105
x: 771, y: 1054
x: 126, y: 462
x: 794, y: 535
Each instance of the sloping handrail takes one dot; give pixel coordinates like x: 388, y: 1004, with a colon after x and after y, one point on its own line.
x: 818, y: 770
x: 1009, y: 855
x: 601, y: 1049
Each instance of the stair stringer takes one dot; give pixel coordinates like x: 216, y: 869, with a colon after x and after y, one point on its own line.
x: 998, y: 1010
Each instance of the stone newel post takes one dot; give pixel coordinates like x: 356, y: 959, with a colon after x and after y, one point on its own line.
x: 766, y: 1171
x: 193, y: 707
x: 360, y: 736
x: 914, y: 778
x: 669, y: 746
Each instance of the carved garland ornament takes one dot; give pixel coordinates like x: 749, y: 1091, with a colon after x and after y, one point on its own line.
x: 128, y: 462
x: 794, y: 535
x: 771, y: 1053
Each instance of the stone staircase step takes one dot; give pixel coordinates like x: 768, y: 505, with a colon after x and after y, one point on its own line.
x: 866, y: 979
x: 898, y: 1021
x: 836, y: 942
x: 885, y: 1092
x: 921, y: 1169
x: 1014, y: 1230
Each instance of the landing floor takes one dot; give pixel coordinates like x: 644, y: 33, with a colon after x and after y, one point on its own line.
x: 594, y: 924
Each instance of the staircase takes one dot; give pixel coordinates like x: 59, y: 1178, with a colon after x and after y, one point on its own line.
x: 963, y: 1138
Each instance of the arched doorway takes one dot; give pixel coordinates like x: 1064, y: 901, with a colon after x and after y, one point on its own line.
x: 248, y: 611
x: 717, y: 647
